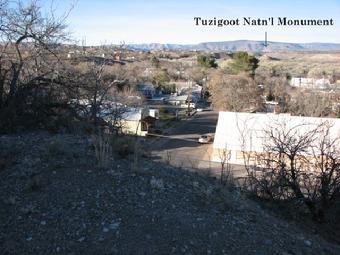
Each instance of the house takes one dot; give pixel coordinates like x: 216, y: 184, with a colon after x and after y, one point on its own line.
x: 126, y: 119
x: 239, y: 132
x: 139, y: 121
x: 182, y: 100
x: 177, y: 100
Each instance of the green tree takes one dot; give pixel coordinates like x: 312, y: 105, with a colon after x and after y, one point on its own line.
x: 155, y: 62
x: 243, y: 62
x: 160, y: 78
x: 206, y: 61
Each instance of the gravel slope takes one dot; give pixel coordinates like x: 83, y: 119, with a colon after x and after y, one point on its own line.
x: 53, y: 200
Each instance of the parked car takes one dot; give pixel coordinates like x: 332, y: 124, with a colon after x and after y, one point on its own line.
x: 192, y: 105
x: 206, y: 138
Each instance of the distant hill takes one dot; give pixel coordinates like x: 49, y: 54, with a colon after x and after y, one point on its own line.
x: 240, y: 45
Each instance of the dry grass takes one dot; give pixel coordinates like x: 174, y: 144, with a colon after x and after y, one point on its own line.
x: 103, y: 150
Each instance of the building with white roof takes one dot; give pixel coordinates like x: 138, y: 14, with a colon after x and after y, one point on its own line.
x: 138, y: 121
x: 239, y: 132
x: 310, y: 83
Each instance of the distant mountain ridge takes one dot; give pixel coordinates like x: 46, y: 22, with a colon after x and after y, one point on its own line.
x: 239, y: 45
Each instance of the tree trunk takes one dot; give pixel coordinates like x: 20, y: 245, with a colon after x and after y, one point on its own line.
x: 14, y: 81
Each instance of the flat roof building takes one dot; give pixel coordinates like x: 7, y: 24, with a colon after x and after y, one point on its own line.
x: 246, y: 132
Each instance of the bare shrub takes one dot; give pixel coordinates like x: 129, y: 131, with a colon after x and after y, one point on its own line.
x: 205, y: 194
x: 168, y: 157
x: 55, y: 148
x: 298, y: 165
x: 122, y: 146
x: 103, y: 150
x: 136, y: 154
x: 226, y: 176
x: 215, y: 195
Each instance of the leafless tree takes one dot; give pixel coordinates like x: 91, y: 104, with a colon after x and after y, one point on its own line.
x: 27, y: 35
x: 102, y: 96
x: 296, y: 164
x: 312, y: 104
x: 28, y: 54
x: 233, y: 92
x: 326, y: 166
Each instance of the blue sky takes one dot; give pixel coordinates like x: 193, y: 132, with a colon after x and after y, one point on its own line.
x: 166, y: 21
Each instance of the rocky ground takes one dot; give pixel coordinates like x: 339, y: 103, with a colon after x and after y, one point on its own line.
x: 54, y: 200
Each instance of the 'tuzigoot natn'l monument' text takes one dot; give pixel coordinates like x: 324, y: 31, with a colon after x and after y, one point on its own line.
x: 271, y: 21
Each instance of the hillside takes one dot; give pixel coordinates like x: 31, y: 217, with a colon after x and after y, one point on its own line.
x: 53, y: 200
x: 239, y: 45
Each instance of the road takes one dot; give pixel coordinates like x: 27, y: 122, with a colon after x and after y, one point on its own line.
x: 187, y: 132
x: 181, y: 148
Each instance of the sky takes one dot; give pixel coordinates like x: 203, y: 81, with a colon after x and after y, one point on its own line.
x: 166, y: 21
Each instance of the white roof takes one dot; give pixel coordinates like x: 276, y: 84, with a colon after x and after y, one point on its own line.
x: 178, y: 98
x: 246, y: 131
x: 133, y: 114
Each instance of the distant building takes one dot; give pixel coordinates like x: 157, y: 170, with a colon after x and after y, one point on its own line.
x: 102, y: 60
x: 177, y: 100
x: 310, y: 83
x: 70, y: 54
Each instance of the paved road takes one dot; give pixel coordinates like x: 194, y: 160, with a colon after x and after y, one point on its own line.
x: 181, y: 147
x: 186, y: 133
